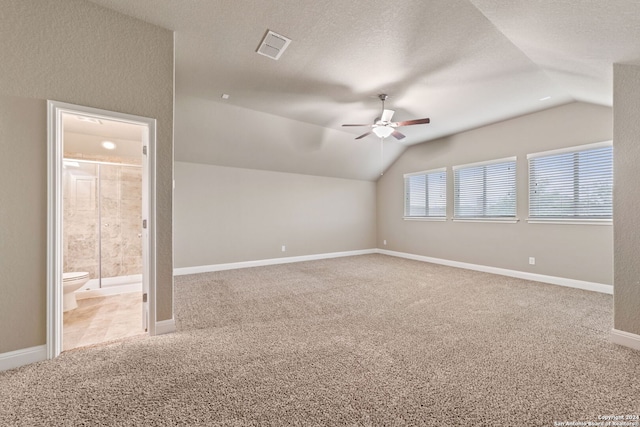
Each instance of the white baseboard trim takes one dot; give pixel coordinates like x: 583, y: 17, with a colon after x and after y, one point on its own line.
x: 561, y: 281
x: 259, y: 263
x: 25, y: 356
x: 626, y: 339
x: 165, y: 327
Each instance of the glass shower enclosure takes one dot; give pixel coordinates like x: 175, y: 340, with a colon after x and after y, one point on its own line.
x: 102, y: 221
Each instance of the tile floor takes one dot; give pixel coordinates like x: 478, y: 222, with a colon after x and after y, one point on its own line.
x: 103, y: 319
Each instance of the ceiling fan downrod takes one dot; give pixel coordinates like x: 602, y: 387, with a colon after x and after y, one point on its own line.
x: 382, y: 97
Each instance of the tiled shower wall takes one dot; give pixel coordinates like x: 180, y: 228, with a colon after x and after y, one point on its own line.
x: 109, y: 195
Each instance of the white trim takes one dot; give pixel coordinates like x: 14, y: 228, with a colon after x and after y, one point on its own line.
x: 424, y: 218
x: 25, y: 356
x: 570, y: 221
x: 165, y: 327
x: 173, y: 172
x: 263, y: 262
x: 488, y: 219
x: 55, y: 109
x: 561, y: 281
x: 407, y: 175
x: 54, y: 234
x: 485, y: 163
x: 624, y: 338
x: 574, y: 149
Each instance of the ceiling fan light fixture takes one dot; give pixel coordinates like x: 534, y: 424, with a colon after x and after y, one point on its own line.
x: 383, y: 131
x: 383, y: 127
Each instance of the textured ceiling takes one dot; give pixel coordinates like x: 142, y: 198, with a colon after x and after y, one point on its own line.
x: 461, y: 63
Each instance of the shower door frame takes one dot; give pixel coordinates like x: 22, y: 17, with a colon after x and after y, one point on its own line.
x: 55, y: 153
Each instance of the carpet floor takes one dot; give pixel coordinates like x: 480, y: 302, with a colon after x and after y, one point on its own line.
x: 369, y: 340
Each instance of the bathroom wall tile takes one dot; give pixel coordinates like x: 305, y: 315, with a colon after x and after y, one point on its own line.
x: 133, y: 174
x: 111, y: 267
x: 132, y: 222
x: 111, y: 229
x: 110, y: 172
x: 110, y: 210
x: 131, y: 190
x: 132, y: 244
x: 80, y: 227
x: 131, y: 208
x: 110, y: 188
x: 112, y: 248
x: 132, y: 265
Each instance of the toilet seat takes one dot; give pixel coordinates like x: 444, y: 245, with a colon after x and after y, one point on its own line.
x: 67, y: 277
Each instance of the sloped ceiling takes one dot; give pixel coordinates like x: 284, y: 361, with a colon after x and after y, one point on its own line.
x: 461, y: 63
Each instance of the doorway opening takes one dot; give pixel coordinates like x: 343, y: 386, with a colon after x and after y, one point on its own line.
x: 101, y: 246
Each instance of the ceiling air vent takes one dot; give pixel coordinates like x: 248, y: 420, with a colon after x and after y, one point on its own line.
x: 273, y: 45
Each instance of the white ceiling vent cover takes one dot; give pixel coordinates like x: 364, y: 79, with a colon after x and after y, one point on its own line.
x: 273, y: 45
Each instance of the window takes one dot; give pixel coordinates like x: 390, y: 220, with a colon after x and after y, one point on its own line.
x: 572, y: 184
x: 425, y: 194
x: 485, y: 191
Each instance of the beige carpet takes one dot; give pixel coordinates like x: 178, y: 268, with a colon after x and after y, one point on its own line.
x: 369, y: 340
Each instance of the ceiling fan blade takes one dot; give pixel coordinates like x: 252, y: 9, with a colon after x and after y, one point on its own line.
x: 397, y: 135
x: 413, y: 122
x: 364, y: 134
x: 356, y: 125
x: 386, y: 115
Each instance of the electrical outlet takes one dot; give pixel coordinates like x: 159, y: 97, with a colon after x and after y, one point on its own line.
x: 532, y: 261
x: 384, y: 242
x: 284, y: 248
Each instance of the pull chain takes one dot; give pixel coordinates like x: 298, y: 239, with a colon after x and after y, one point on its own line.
x: 382, y: 97
x: 381, y: 156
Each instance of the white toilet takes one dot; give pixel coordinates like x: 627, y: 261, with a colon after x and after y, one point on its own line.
x: 71, y: 282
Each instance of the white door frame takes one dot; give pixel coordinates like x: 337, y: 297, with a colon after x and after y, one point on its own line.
x: 55, y: 110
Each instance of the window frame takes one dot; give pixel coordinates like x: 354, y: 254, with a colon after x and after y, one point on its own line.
x: 563, y: 219
x: 405, y: 192
x: 487, y: 218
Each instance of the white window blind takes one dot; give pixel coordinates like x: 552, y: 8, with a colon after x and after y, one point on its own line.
x: 425, y: 194
x: 485, y: 190
x: 574, y: 183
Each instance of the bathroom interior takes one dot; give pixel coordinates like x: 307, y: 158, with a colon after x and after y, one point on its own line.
x: 102, y: 230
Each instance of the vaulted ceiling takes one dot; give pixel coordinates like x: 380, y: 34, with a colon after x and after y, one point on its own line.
x: 462, y: 63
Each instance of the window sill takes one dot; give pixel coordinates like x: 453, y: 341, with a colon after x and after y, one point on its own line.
x: 424, y: 218
x: 499, y: 220
x: 570, y: 221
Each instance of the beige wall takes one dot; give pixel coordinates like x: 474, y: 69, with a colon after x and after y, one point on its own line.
x: 626, y: 198
x: 72, y: 51
x: 23, y: 223
x: 227, y: 214
x: 581, y: 252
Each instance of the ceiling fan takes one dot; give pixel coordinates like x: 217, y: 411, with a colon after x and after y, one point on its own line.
x: 383, y: 127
